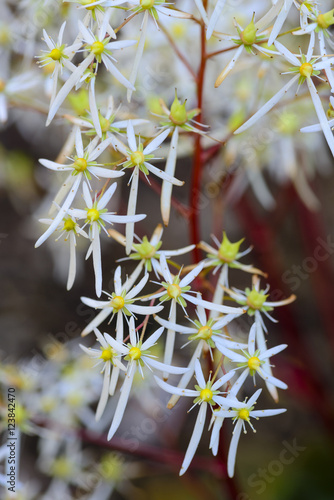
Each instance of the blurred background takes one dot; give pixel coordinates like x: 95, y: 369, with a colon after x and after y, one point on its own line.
x: 273, y: 186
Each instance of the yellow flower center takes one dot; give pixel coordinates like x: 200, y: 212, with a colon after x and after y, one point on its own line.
x: 80, y: 164
x: 244, y: 414
x: 97, y: 48
x: 117, y: 302
x: 205, y: 332
x: 55, y: 54
x: 69, y: 225
x: 106, y: 355
x: 135, y: 353
x: 93, y: 214
x: 137, y: 158
x: 206, y: 395
x: 147, y: 4
x: 254, y: 363
x: 2, y: 85
x: 255, y: 300
x: 306, y: 70
x: 174, y: 291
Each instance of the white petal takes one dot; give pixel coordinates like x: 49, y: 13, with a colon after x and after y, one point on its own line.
x: 267, y: 413
x: 97, y: 258
x: 165, y: 368
x: 138, y: 56
x: 166, y: 190
x: 199, y: 374
x: 131, y: 137
x: 175, y: 390
x: 72, y: 265
x: 195, y: 438
x: 191, y: 275
x: 233, y: 448
x: 156, y: 142
x: 138, y: 288
x: 152, y: 339
x: 321, y: 115
x: 132, y: 332
x: 105, y: 391
x: 229, y: 66
x: 214, y: 18
x: 222, y: 380
x: 132, y: 203
x: 291, y: 58
x: 116, y: 73
x: 251, y: 339
x: 123, y: 399
x: 267, y: 107
x: 104, y: 200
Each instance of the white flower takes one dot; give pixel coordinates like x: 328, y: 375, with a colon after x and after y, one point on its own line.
x: 241, y: 413
x: 12, y: 87
x: 121, y: 303
x: 255, y: 302
x: 137, y: 353
x: 207, y: 332
x: 96, y: 216
x: 177, y: 291
x: 253, y: 360
x: 138, y: 158
x: 205, y: 393
x: 58, y: 54
x: 106, y: 356
x: 69, y: 227
x: 148, y: 251
x: 100, y: 49
x: 83, y: 166
x: 305, y: 68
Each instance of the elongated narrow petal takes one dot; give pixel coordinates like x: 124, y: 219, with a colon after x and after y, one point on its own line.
x: 251, y: 339
x: 166, y: 191
x: 229, y: 66
x: 213, y: 307
x: 267, y: 413
x: 60, y: 215
x: 170, y: 339
x: 267, y: 107
x: 130, y: 227
x: 144, y: 310
x: 192, y: 275
x: 222, y: 380
x: 93, y: 107
x: 162, y: 175
x: 185, y: 379
x: 138, y: 56
x: 104, y: 200
x: 72, y: 265
x: 279, y: 21
x: 321, y: 115
x: 214, y: 18
x: 96, y: 321
x: 202, y: 11
x: 68, y: 86
x: 199, y: 374
x: 131, y: 136
x: 132, y: 331
x: 195, y: 438
x: 116, y: 73
x: 152, y: 339
x: 157, y: 365
x: 97, y: 259
x: 232, y: 452
x: 272, y: 351
x: 156, y: 142
x: 118, y: 346
x: 287, y: 54
x: 215, y: 433
x: 175, y: 326
x: 175, y: 390
x: 165, y: 269
x: 105, y: 391
x: 272, y: 380
x: 123, y: 399
x: 239, y: 383
x: 237, y: 358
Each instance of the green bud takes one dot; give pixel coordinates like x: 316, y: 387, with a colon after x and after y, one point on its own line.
x: 178, y: 113
x: 326, y: 20
x: 228, y: 251
x: 248, y: 35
